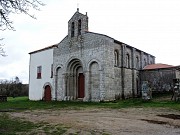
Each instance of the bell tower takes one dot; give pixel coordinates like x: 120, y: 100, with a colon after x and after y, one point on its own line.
x: 77, y: 25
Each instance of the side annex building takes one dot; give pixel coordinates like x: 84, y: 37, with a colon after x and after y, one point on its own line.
x: 86, y: 66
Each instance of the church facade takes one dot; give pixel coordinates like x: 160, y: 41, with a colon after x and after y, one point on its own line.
x: 89, y: 66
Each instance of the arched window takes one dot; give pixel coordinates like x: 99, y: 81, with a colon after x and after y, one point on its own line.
x: 145, y: 62
x: 137, y: 62
x: 116, y: 58
x: 127, y: 61
x: 72, y: 29
x: 79, y: 27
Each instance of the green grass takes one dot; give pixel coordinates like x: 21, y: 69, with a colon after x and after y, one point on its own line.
x: 12, y: 126
x: 55, y: 129
x: 22, y: 103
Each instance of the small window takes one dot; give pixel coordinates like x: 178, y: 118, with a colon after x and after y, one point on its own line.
x: 51, y: 70
x: 39, y: 70
x: 127, y: 61
x: 137, y: 62
x: 79, y: 27
x: 116, y: 58
x: 72, y: 29
x: 145, y: 62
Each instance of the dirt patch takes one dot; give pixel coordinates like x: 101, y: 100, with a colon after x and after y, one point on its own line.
x: 171, y: 116
x: 155, y: 121
x: 12, y: 109
x: 127, y: 121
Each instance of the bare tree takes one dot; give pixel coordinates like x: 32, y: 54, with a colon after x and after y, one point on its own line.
x: 2, y: 52
x: 8, y: 7
x: 13, y: 88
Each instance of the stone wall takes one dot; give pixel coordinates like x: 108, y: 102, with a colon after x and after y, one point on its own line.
x: 160, y: 79
x: 103, y: 61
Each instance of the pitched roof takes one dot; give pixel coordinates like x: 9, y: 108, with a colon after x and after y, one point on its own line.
x: 157, y: 66
x: 77, y: 13
x: 46, y: 48
x: 118, y: 42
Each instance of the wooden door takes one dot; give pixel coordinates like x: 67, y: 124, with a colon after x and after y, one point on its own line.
x: 47, y: 93
x: 81, y: 85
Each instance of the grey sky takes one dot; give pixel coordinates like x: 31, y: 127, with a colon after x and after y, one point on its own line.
x: 150, y: 25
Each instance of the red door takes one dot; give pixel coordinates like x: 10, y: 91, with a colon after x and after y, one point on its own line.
x: 47, y: 93
x: 81, y: 85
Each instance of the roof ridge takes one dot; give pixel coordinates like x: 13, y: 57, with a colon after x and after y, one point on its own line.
x: 157, y: 66
x: 45, y: 48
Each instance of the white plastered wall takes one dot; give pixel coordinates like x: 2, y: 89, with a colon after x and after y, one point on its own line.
x: 36, y: 86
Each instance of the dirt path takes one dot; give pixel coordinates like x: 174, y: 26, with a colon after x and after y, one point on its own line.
x: 133, y: 121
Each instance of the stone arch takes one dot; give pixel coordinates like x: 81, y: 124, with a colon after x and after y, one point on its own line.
x: 94, y: 60
x: 137, y: 62
x: 75, y: 84
x: 47, y: 89
x: 58, y: 82
x: 145, y: 62
x: 94, y: 81
x: 58, y: 66
x: 67, y: 65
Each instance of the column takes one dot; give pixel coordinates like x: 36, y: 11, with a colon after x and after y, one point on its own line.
x: 87, y: 86
x: 123, y: 69
x: 64, y: 85
x: 141, y: 60
x: 102, y: 85
x: 133, y: 71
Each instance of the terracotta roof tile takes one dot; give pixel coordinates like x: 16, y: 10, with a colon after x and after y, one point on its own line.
x: 46, y: 48
x: 157, y: 66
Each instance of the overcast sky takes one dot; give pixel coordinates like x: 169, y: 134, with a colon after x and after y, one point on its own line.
x: 149, y: 25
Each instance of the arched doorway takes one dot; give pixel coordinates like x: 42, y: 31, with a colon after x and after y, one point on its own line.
x: 75, y: 83
x: 81, y: 85
x: 47, y: 93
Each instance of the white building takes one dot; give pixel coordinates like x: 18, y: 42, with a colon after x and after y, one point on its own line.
x: 41, y: 74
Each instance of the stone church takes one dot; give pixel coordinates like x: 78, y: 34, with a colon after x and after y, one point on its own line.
x: 86, y: 66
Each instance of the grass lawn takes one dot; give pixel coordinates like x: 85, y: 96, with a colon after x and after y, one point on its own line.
x: 11, y: 126
x: 22, y: 103
x: 8, y: 126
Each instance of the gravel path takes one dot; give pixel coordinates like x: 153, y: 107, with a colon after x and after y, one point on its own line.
x: 131, y: 121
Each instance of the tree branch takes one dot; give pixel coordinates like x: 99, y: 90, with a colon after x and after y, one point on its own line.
x: 16, y: 6
x: 8, y: 7
x: 2, y: 52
